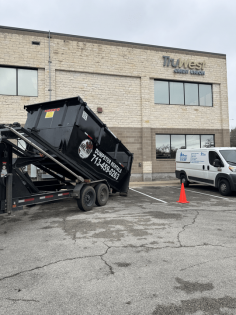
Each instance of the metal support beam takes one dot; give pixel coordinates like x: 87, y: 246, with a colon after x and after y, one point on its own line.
x: 9, y: 192
x: 45, y: 153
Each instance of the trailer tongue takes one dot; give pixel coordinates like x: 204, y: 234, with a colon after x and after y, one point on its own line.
x: 65, y: 139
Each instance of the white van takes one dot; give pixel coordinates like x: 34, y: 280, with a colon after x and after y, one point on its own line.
x: 212, y: 166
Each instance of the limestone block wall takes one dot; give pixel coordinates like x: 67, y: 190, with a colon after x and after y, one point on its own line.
x: 119, y: 77
x: 119, y: 96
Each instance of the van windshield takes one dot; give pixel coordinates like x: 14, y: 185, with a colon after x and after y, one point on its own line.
x: 229, y: 156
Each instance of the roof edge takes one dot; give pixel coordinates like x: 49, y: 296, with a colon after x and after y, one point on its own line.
x: 115, y: 42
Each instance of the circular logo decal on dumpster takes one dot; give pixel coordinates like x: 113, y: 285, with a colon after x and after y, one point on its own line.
x: 85, y: 149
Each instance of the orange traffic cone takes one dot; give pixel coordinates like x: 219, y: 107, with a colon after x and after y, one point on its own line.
x: 182, y: 197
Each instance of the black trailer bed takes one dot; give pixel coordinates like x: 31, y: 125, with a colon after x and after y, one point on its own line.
x: 67, y: 140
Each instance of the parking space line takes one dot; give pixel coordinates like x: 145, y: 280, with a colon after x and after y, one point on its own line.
x: 148, y: 195
x: 202, y: 193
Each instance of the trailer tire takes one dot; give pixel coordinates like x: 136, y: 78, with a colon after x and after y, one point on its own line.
x: 224, y: 187
x: 102, y: 194
x: 87, y: 198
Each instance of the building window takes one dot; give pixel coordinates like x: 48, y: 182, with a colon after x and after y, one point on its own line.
x: 176, y: 93
x: 161, y: 91
x: 16, y: 81
x: 167, y: 145
x: 205, y: 95
x: 182, y: 93
x: 191, y: 94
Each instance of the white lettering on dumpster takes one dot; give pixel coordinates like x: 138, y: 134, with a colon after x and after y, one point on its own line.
x: 103, y: 161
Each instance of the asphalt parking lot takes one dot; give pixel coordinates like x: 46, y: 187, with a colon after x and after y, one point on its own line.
x: 141, y: 254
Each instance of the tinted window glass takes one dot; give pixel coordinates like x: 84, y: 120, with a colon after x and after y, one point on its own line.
x: 212, y: 156
x: 27, y: 82
x: 177, y: 142
x: 193, y: 141
x: 205, y: 95
x: 176, y: 93
x: 162, y: 146
x: 191, y: 94
x: 229, y: 156
x: 161, y: 92
x: 7, y: 81
x: 207, y: 141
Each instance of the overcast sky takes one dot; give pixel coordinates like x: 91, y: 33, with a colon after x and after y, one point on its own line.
x: 205, y: 25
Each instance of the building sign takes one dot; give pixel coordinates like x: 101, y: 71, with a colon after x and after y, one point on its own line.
x: 190, y: 66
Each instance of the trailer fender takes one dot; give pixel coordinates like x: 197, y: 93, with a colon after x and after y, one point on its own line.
x: 76, y: 191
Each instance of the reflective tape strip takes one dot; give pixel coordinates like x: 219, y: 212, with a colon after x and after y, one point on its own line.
x: 25, y: 200
x: 49, y: 196
x: 64, y: 194
x: 44, y: 197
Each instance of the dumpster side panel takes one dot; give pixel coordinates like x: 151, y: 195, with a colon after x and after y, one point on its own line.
x: 85, y: 152
x: 73, y: 128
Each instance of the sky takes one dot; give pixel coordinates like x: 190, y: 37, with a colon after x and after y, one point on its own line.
x: 204, y: 25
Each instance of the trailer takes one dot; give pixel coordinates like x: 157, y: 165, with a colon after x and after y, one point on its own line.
x: 68, y: 141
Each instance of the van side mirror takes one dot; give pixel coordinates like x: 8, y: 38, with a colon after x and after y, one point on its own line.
x: 217, y: 163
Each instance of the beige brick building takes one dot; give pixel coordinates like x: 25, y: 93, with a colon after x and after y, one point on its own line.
x: 155, y: 99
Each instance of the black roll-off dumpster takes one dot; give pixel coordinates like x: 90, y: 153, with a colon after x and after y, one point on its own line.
x: 67, y: 140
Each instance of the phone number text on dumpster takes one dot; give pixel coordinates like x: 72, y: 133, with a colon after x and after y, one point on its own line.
x: 103, y: 161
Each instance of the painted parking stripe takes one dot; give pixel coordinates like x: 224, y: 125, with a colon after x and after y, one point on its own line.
x: 148, y: 195
x: 196, y: 192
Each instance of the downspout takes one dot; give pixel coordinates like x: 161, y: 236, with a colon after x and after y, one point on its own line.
x: 49, y: 65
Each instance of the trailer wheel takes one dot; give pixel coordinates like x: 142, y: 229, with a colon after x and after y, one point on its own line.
x: 87, y: 198
x: 102, y: 194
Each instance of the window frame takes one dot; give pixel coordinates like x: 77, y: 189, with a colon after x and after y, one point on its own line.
x: 21, y: 68
x: 185, y: 136
x: 198, y: 83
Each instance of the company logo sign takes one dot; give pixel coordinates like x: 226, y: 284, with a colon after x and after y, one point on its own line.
x: 203, y: 154
x: 85, y: 149
x: 185, y: 66
x: 183, y: 157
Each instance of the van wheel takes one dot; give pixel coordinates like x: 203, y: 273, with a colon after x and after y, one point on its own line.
x: 102, y: 194
x: 183, y: 180
x: 224, y: 187
x: 87, y: 198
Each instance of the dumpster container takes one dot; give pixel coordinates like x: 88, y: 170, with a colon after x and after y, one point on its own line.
x: 67, y: 139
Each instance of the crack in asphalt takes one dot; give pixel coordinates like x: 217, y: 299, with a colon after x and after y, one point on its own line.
x: 205, y: 262
x: 163, y: 247
x: 67, y: 259
x: 18, y: 300
x: 52, y: 263
x: 126, y: 246
x: 183, y: 228
x: 109, y: 266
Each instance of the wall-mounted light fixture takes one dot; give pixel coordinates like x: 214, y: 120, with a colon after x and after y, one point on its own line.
x: 99, y: 110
